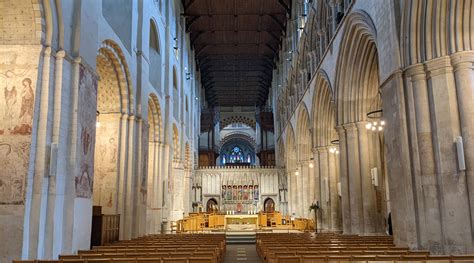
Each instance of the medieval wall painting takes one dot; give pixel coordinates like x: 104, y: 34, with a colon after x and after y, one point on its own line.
x: 144, y: 168
x: 87, y: 104
x: 107, y: 155
x: 18, y: 80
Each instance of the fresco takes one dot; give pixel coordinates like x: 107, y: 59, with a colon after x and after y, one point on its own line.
x: 86, y: 118
x: 144, y: 168
x: 18, y: 80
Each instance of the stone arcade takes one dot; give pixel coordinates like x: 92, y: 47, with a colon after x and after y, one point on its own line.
x: 155, y: 113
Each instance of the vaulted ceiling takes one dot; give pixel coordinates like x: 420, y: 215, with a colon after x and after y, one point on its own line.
x: 236, y: 43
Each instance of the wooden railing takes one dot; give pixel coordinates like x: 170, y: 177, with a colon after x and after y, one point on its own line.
x: 105, y: 229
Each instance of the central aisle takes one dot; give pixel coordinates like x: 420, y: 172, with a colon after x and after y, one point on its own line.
x: 241, y: 253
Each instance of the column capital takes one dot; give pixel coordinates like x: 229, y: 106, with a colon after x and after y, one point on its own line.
x: 463, y: 60
x: 340, y: 129
x: 415, y: 70
x: 60, y: 54
x: 438, y: 66
x: 350, y: 126
x: 361, y: 125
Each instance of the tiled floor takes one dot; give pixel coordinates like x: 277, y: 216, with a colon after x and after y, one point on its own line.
x: 241, y: 253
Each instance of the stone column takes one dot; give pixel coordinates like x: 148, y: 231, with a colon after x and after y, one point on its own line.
x: 334, y: 200
x: 345, y: 204
x: 424, y: 171
x: 305, y: 188
x: 324, y: 182
x: 368, y: 191
x: 464, y: 76
x: 445, y: 119
x: 294, y: 198
x: 317, y: 183
x: 299, y: 192
x: 354, y: 179
x: 37, y: 181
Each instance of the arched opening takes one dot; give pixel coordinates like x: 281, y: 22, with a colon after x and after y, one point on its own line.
x: 175, y: 94
x: 363, y: 173
x: 269, y: 205
x: 155, y: 57
x: 305, y: 178
x: 212, y: 206
x: 154, y: 177
x: 292, y: 171
x: 326, y: 154
x: 113, y: 103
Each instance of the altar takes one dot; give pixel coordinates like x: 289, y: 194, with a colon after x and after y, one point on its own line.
x: 242, y: 222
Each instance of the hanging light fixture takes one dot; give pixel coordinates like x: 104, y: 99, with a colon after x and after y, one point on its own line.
x: 334, y: 148
x: 378, y: 123
x: 311, y: 163
x: 97, y: 122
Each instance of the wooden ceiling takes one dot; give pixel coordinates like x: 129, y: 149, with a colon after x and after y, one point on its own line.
x: 236, y: 43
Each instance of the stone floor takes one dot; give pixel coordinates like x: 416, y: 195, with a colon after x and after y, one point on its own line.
x: 241, y: 253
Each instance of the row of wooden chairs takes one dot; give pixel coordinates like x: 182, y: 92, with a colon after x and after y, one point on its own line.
x: 125, y: 260
x: 203, y: 248
x: 334, y: 248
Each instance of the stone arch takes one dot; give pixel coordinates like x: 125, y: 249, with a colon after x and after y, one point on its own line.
x: 155, y: 119
x: 31, y: 24
x: 357, y: 79
x: 238, y: 135
x: 154, y: 38
x: 114, y: 72
x: 155, y: 71
x: 238, y: 119
x: 303, y: 134
x: 357, y: 93
x: 324, y: 112
x: 114, y: 102
x: 432, y: 29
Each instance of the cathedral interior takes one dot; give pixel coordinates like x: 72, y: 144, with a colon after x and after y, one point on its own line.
x: 236, y: 130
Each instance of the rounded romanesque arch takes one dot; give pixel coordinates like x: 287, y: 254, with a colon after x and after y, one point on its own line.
x: 115, y: 92
x: 114, y: 99
x: 238, y: 135
x: 238, y: 119
x: 155, y: 120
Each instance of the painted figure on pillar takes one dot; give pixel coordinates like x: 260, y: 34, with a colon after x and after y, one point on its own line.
x: 246, y: 193
x: 250, y: 192
x: 223, y: 194
x: 27, y: 102
x: 10, y: 99
x: 234, y: 192
x: 255, y: 192
x: 229, y: 192
x: 239, y: 207
x: 240, y: 193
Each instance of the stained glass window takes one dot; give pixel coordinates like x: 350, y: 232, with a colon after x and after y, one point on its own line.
x: 236, y: 156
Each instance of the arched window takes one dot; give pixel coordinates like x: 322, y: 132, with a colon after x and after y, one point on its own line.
x: 236, y: 156
x: 154, y: 44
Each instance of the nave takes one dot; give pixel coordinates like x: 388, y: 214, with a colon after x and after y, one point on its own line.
x: 234, y: 129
